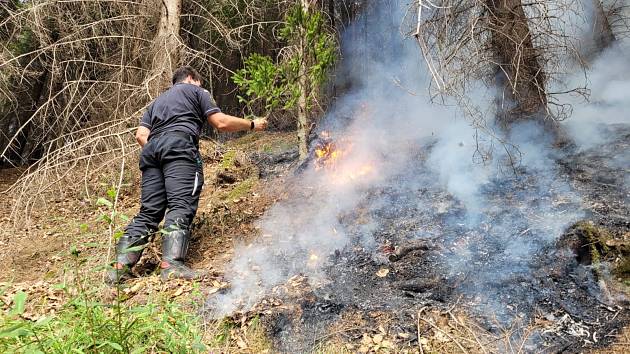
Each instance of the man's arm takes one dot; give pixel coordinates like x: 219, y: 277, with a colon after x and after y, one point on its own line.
x: 227, y: 123
x: 142, y: 134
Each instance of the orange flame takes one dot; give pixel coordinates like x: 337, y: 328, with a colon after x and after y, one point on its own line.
x: 338, y: 162
x: 327, y: 155
x: 313, y: 260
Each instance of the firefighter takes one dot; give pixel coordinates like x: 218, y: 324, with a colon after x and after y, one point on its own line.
x: 172, y: 173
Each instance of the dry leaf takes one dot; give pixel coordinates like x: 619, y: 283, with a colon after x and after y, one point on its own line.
x: 241, y: 344
x: 135, y: 287
x: 441, y: 337
x: 382, y: 273
x: 179, y: 291
x: 378, y: 338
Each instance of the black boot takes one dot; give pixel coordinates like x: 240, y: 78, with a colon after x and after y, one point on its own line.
x: 174, y: 248
x: 125, y: 259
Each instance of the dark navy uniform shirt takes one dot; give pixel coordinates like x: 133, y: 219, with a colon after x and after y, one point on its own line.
x: 184, y: 107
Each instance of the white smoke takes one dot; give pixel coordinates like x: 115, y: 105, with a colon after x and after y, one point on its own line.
x: 299, y: 234
x: 398, y: 119
x: 605, y: 75
x: 609, y: 101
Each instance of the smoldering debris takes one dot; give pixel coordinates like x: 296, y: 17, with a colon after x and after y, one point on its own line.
x: 506, y: 270
x: 456, y: 217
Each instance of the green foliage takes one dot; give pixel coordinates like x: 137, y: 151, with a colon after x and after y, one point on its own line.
x: 261, y: 79
x: 109, y: 216
x: 86, y: 323
x: 277, y: 85
x: 307, y: 28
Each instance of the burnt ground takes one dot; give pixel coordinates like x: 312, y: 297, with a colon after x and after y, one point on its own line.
x: 546, y: 299
x: 513, y: 272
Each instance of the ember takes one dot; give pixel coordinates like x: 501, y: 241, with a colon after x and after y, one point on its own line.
x: 336, y: 159
x: 326, y: 155
x: 313, y: 260
x: 421, y: 225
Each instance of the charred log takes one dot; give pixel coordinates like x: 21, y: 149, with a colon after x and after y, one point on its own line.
x: 418, y: 285
x: 402, y: 251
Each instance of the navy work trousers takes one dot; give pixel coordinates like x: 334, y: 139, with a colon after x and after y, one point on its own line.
x: 172, y: 178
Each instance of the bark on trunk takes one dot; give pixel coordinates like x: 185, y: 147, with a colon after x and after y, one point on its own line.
x: 302, y: 125
x: 302, y: 114
x: 331, y: 12
x: 34, y: 135
x: 166, y: 45
x: 603, y: 36
x: 519, y: 74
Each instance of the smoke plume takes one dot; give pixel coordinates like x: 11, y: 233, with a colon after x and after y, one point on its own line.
x: 512, y: 200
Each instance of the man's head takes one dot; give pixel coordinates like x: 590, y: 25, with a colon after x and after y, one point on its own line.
x: 188, y: 75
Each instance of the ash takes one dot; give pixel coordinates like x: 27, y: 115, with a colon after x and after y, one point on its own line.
x: 507, y: 265
x: 426, y: 210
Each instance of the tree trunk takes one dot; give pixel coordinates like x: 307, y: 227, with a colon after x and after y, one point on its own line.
x: 331, y: 12
x: 33, y: 135
x: 302, y: 114
x: 603, y: 36
x: 519, y: 75
x: 166, y: 45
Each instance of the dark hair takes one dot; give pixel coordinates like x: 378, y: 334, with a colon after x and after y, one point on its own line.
x: 183, y: 72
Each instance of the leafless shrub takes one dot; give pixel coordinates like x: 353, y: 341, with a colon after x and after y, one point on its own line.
x: 517, y: 47
x: 75, y: 76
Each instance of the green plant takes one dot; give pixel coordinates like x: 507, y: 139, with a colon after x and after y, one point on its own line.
x: 85, y: 324
x: 89, y: 324
x: 277, y: 85
x: 306, y: 27
x: 262, y: 80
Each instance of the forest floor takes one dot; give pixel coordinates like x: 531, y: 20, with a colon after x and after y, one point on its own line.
x: 243, y: 178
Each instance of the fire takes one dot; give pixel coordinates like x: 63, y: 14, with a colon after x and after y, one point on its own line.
x: 326, y: 155
x: 336, y: 159
x: 313, y: 260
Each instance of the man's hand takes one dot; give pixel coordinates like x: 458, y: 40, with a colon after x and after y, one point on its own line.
x: 142, y: 134
x: 260, y: 124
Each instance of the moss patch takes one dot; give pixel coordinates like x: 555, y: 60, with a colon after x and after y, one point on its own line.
x: 228, y: 160
x: 242, y: 189
x: 622, y: 270
x: 594, y: 244
x: 592, y: 241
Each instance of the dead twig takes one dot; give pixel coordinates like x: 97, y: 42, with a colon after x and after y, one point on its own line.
x: 445, y: 333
